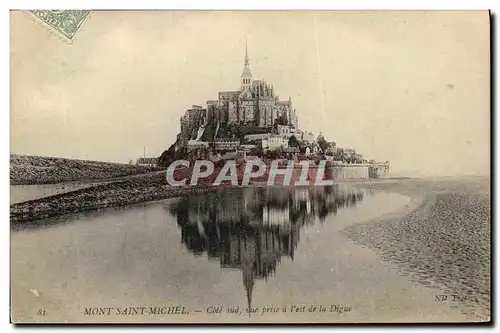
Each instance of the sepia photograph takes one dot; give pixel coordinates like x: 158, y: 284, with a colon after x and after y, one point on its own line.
x: 250, y: 167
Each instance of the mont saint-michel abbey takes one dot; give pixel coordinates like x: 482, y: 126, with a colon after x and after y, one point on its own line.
x: 254, y: 103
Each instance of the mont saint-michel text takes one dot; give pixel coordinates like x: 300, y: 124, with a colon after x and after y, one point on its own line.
x: 135, y: 311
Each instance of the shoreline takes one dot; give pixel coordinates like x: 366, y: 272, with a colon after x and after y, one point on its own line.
x: 120, y: 192
x: 89, y: 199
x: 139, y: 189
x: 20, y: 193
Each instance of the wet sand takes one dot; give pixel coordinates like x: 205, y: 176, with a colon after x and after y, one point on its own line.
x: 444, y: 243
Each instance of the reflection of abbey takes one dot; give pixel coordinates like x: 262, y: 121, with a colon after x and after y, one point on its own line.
x: 251, y: 229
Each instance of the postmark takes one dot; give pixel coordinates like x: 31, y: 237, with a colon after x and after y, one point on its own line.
x: 65, y: 22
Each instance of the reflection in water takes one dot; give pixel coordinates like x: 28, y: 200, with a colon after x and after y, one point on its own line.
x: 252, y: 228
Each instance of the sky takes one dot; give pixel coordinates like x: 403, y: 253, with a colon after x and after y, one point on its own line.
x: 409, y: 87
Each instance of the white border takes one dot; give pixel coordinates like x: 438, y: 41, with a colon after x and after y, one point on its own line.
x: 257, y: 4
x: 186, y: 4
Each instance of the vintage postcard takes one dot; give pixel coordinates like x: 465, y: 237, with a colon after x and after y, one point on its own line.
x: 250, y: 167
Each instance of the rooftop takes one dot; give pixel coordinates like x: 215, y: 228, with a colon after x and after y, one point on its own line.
x: 147, y: 160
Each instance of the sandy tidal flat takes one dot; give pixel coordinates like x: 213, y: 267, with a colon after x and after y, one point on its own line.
x: 443, y: 244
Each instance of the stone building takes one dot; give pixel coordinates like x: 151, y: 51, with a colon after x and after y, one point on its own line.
x: 255, y: 102
x: 226, y: 144
x: 147, y: 161
x: 274, y: 142
x: 287, y: 132
x: 308, y: 137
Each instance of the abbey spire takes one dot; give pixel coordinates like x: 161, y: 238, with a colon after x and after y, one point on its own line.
x: 247, y: 61
x: 246, y: 75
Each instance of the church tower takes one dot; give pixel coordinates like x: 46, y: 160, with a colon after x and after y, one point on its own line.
x: 246, y: 75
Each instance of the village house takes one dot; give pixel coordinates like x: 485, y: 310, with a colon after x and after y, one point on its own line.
x: 147, y: 161
x: 287, y: 132
x: 292, y: 150
x: 194, y: 144
x: 226, y: 144
x: 274, y: 142
x: 308, y: 137
x: 256, y: 137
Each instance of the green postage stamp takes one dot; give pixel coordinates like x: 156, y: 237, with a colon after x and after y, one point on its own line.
x: 66, y: 22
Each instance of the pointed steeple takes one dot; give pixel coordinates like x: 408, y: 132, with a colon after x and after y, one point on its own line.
x: 249, y: 298
x: 246, y: 75
x: 247, y: 60
x: 248, y: 283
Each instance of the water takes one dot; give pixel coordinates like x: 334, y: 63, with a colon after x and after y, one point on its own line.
x: 21, y: 193
x: 237, y: 248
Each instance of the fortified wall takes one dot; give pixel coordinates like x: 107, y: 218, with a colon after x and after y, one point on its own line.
x: 336, y: 172
x: 350, y: 172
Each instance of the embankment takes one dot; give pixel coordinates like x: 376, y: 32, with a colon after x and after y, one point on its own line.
x: 26, y: 170
x: 120, y: 193
x: 134, y: 189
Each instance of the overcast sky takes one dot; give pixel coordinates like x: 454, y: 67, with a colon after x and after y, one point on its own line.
x: 409, y: 87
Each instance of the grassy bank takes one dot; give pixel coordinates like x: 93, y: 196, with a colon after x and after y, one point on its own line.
x: 444, y: 243
x: 27, y: 170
